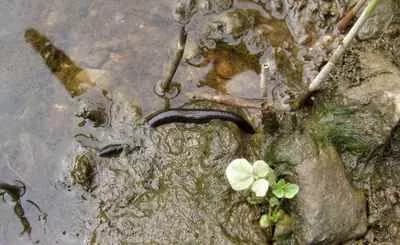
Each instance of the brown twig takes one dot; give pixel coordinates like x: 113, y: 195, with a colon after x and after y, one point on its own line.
x: 230, y: 100
x: 345, y: 21
x: 324, y: 73
x: 164, y: 86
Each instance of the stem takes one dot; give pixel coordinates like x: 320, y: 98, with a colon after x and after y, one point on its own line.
x: 345, y: 21
x: 316, y: 83
x: 263, y: 79
x: 230, y: 100
x: 164, y: 86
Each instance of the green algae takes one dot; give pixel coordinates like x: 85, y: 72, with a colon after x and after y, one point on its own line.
x: 333, y: 124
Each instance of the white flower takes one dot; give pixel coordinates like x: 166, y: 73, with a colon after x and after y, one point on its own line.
x: 242, y: 176
x: 260, y: 187
x: 261, y: 169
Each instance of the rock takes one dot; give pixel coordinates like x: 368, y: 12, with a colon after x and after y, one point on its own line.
x: 83, y: 171
x: 379, y: 21
x: 375, y: 101
x: 381, y: 90
x: 329, y: 210
x: 244, y: 84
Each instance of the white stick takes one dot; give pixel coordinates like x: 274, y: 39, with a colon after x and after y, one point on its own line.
x: 316, y: 83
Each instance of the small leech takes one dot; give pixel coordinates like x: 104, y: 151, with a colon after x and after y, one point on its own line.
x: 115, y: 150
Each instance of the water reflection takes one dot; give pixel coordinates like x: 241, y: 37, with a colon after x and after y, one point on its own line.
x: 75, y: 79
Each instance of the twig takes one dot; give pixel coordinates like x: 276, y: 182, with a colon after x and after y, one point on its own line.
x: 164, y: 86
x: 231, y: 100
x: 345, y: 21
x: 263, y: 79
x: 315, y: 84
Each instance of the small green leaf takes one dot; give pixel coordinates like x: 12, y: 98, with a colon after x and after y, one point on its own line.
x: 276, y: 216
x: 240, y: 174
x: 279, y: 189
x: 291, y: 190
x: 282, y: 189
x: 264, y: 221
x: 273, y: 202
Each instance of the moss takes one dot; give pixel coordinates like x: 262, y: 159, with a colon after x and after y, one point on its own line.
x: 333, y: 124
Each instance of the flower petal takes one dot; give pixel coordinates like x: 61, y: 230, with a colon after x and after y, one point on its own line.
x: 260, y: 187
x: 261, y: 169
x: 240, y: 174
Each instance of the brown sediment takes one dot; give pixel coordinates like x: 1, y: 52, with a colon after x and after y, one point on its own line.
x: 227, y: 61
x: 75, y: 79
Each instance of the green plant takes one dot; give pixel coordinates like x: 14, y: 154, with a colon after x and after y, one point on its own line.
x: 336, y: 125
x: 257, y: 179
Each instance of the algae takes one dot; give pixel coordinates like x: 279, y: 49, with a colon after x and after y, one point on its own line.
x: 333, y: 124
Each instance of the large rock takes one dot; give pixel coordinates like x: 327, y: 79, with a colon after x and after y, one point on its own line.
x: 329, y: 210
x: 381, y: 90
x: 380, y: 20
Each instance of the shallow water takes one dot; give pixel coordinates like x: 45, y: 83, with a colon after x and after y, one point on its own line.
x: 89, y: 67
x: 38, y: 112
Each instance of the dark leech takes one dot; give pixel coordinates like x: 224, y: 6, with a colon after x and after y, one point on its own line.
x: 198, y: 116
x: 113, y: 150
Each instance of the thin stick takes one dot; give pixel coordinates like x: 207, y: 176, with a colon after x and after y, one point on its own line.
x: 316, y: 83
x: 345, y: 21
x: 263, y: 79
x: 231, y: 100
x: 164, y: 86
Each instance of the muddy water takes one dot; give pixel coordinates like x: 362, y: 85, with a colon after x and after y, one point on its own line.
x: 125, y: 41
x: 76, y: 76
x: 60, y: 63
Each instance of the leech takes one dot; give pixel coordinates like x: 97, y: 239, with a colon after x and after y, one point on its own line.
x: 198, y: 116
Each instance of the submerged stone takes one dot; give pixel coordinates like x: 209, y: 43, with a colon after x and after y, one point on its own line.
x: 82, y: 172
